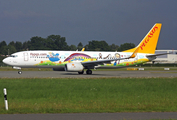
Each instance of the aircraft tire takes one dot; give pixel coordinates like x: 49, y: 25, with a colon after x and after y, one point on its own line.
x: 20, y: 72
x: 81, y: 72
x: 89, y: 72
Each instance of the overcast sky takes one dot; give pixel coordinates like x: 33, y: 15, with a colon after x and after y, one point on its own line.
x: 115, y: 21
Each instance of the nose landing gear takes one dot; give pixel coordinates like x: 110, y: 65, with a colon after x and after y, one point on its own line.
x: 19, y: 72
x: 17, y: 68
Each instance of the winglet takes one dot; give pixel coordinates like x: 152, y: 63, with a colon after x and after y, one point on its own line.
x: 83, y: 49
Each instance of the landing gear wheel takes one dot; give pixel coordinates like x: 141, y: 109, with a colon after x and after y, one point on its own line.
x: 82, y: 72
x: 20, y: 72
x: 89, y: 72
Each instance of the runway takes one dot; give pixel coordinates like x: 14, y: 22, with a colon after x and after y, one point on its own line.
x: 63, y: 74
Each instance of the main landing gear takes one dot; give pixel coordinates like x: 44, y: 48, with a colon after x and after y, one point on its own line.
x: 89, y: 72
x: 82, y: 72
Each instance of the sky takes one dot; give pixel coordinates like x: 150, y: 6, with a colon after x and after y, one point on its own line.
x: 114, y: 21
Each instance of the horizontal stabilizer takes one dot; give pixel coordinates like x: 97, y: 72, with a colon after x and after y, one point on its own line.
x: 158, y: 54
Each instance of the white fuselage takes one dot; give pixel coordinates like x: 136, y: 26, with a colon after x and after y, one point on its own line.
x: 57, y: 59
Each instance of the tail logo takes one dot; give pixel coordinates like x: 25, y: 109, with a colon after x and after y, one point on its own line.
x: 149, y: 36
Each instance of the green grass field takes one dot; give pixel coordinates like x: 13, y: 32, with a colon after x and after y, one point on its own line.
x: 69, y: 95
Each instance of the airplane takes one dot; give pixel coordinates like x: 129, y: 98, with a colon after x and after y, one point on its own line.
x: 77, y: 61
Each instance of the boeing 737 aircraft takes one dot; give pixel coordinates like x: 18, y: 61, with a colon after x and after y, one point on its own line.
x: 77, y: 61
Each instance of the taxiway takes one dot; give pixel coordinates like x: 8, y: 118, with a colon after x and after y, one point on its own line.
x: 63, y: 74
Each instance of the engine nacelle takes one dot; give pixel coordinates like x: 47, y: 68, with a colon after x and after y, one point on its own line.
x: 74, y: 67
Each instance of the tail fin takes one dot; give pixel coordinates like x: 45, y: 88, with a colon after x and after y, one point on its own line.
x: 149, y: 42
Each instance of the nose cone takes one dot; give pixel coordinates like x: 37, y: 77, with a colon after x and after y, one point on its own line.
x: 5, y: 61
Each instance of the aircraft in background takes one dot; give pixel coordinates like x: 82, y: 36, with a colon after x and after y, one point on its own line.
x: 77, y: 61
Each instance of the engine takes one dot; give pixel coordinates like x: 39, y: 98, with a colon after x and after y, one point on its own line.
x: 74, y: 67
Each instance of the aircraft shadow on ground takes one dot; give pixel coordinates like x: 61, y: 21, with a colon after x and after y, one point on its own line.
x: 74, y: 74
x: 82, y: 74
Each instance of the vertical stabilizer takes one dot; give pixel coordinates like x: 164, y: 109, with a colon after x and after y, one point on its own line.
x: 149, y: 42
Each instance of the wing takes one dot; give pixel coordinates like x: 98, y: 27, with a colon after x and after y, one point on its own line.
x: 91, y: 64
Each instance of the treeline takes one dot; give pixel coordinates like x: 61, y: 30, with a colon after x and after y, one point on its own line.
x: 56, y: 42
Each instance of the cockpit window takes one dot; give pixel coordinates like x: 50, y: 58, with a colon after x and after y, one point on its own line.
x: 13, y: 56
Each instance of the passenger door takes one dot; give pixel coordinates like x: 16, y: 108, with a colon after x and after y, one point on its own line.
x: 25, y: 56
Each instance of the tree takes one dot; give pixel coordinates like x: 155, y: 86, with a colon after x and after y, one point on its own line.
x: 25, y: 46
x: 60, y: 43
x: 37, y: 43
x: 11, y: 49
x: 7, y: 50
x: 50, y: 41
x: 3, y: 46
x: 12, y: 43
x: 4, y: 50
x: 3, y: 43
x: 126, y: 46
x: 18, y: 46
x: 72, y: 47
x: 98, y: 46
x: 114, y: 47
x: 86, y: 47
x: 80, y: 46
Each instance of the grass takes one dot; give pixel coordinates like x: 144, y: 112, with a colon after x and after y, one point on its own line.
x: 72, y: 95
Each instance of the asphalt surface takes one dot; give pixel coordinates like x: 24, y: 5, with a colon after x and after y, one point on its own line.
x: 92, y: 116
x: 89, y: 116
x: 63, y: 74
